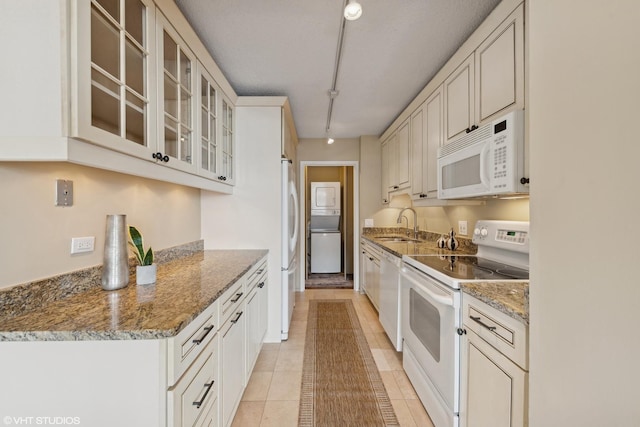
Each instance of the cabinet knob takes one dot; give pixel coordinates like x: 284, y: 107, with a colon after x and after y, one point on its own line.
x: 165, y: 158
x: 524, y: 180
x: 157, y: 156
x: 395, y: 187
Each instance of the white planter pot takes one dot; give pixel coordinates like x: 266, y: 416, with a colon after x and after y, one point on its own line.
x: 145, y: 274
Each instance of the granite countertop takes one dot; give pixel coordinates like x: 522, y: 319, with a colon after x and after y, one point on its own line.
x: 508, y: 297
x: 185, y: 287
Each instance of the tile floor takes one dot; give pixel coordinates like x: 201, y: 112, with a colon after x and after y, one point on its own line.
x: 272, y: 395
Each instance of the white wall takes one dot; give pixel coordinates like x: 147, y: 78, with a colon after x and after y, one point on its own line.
x: 585, y: 291
x: 250, y: 218
x: 36, y: 234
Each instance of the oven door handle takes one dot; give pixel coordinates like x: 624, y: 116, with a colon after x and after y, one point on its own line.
x: 444, y: 300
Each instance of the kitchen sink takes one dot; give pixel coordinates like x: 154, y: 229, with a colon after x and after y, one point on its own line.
x: 396, y: 239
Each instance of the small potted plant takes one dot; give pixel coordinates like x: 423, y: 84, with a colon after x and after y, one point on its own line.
x: 146, y: 271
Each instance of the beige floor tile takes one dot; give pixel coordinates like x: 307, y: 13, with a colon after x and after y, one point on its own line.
x: 297, y: 326
x: 419, y: 414
x: 383, y: 340
x: 285, y: 385
x: 290, y: 360
x: 266, y: 360
x: 403, y: 414
x: 394, y: 359
x: 280, y: 414
x: 405, y: 386
x: 248, y: 414
x: 389, y: 380
x: 258, y: 386
x: 380, y: 359
x: 271, y: 346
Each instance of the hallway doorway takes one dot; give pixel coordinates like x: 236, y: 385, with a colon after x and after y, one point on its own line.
x: 343, y: 273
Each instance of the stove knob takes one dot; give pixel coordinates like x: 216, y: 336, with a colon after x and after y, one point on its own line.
x: 476, y: 232
x: 484, y: 232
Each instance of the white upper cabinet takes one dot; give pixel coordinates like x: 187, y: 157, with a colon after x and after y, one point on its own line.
x: 490, y: 81
x: 395, y: 156
x: 113, y: 81
x: 500, y: 69
x: 177, y: 83
x: 122, y: 91
x: 426, y: 137
x: 459, y: 92
x: 227, y: 168
x: 208, y: 131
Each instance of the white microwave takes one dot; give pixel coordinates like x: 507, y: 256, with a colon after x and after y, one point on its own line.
x: 488, y: 161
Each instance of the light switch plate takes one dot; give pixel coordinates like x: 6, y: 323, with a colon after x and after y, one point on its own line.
x: 368, y: 222
x: 64, y: 192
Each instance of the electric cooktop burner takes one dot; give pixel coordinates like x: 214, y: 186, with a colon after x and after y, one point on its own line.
x: 468, y: 267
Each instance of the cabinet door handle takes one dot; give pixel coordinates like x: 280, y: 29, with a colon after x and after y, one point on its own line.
x: 165, y: 159
x: 207, y: 330
x: 524, y: 180
x: 260, y: 271
x: 207, y: 386
x: 370, y: 259
x: 237, y: 297
x: 395, y: 187
x: 261, y: 285
x: 238, y: 315
x: 477, y: 320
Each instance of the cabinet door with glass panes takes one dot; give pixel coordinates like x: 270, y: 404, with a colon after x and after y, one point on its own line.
x: 177, y: 99
x: 113, y: 75
x: 227, y: 167
x: 209, y: 164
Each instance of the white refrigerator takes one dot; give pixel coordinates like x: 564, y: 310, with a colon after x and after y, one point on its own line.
x: 289, y: 229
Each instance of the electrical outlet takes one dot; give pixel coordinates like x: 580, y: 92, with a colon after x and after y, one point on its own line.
x: 82, y: 244
x: 462, y: 228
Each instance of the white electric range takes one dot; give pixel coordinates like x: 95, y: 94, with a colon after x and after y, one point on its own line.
x: 431, y: 309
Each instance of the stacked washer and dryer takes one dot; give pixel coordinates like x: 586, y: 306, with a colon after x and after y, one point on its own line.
x: 324, y: 227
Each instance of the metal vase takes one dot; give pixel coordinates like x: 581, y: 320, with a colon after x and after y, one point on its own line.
x: 115, y: 269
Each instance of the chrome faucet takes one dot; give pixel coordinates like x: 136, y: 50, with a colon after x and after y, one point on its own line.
x: 415, y: 221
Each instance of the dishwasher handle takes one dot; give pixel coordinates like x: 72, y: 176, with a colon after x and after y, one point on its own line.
x: 441, y: 299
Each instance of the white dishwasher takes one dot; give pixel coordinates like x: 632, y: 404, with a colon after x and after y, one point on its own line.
x: 389, y: 312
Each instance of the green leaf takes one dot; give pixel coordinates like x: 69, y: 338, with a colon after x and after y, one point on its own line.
x: 148, y: 258
x: 136, y: 242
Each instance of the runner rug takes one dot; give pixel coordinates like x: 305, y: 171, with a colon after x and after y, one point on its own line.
x: 341, y: 385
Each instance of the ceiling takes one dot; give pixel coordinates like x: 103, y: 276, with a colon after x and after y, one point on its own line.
x: 288, y: 48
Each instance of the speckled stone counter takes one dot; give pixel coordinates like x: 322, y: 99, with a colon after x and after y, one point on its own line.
x: 511, y: 298
x: 185, y: 287
x: 426, y: 245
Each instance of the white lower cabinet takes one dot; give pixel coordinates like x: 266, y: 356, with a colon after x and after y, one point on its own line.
x: 195, y: 378
x: 191, y: 401
x: 233, y: 355
x: 372, y: 274
x: 494, y: 368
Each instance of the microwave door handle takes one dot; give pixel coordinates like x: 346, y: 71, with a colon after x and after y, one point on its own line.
x: 447, y: 301
x: 484, y: 173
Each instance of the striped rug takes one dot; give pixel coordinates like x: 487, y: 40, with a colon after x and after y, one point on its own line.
x: 341, y: 385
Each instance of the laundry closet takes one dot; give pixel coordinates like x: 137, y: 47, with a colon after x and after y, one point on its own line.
x: 329, y: 219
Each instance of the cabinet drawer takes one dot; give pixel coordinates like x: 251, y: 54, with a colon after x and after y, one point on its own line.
x: 231, y: 299
x: 185, y: 347
x: 257, y: 277
x: 193, y: 397
x: 502, y: 332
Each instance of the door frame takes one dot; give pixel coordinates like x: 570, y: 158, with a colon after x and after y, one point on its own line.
x: 356, y: 217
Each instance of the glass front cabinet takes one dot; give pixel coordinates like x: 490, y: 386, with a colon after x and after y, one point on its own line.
x: 114, y: 84
x: 137, y: 88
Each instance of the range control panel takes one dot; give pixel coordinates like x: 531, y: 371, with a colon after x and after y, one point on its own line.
x: 509, y: 235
